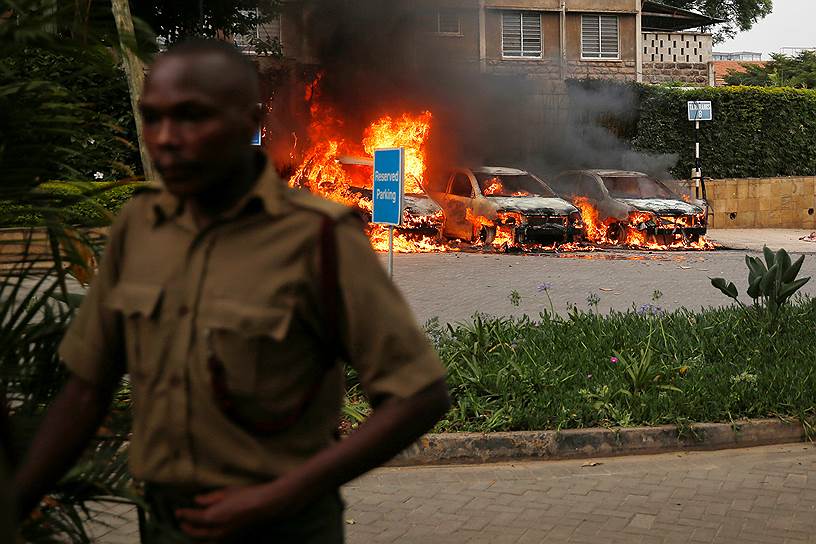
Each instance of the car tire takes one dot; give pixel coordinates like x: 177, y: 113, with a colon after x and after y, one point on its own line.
x: 487, y: 235
x: 616, y: 233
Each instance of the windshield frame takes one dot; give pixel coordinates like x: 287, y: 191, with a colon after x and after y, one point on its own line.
x: 663, y: 192
x: 545, y: 191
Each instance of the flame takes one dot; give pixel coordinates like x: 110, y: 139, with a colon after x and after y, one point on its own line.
x: 634, y: 232
x: 321, y: 171
x: 406, y: 131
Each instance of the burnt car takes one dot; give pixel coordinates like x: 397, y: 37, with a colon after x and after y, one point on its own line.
x: 478, y: 203
x: 634, y: 200
x: 348, y: 180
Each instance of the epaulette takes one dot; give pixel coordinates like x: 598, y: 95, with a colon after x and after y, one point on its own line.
x: 306, y: 200
x: 150, y: 187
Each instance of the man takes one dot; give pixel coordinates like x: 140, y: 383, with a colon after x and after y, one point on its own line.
x: 228, y: 298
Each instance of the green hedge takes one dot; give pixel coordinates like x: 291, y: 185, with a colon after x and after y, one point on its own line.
x: 756, y: 131
x: 79, y: 204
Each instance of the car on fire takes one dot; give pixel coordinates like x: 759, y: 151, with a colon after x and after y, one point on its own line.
x: 421, y: 215
x: 625, y: 200
x: 478, y: 203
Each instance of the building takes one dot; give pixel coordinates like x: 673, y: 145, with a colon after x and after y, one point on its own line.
x: 744, y: 56
x: 556, y: 40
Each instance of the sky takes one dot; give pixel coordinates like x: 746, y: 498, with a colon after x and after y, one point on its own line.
x: 792, y: 24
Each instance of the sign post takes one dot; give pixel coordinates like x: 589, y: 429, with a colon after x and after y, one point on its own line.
x: 699, y: 111
x: 388, y: 191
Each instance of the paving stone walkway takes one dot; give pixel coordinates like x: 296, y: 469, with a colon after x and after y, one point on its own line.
x: 764, y: 495
x: 757, y: 495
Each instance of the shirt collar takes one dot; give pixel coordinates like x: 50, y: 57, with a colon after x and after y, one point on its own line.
x: 268, y: 190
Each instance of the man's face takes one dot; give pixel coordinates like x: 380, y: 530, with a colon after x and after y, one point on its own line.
x: 195, y: 130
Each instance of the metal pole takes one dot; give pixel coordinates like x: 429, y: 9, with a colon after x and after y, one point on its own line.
x: 698, y: 171
x: 391, y: 251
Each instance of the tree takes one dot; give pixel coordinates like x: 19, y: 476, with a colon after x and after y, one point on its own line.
x: 781, y: 71
x: 176, y: 20
x: 740, y: 15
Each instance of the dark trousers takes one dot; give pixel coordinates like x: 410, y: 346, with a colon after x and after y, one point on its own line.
x: 320, y: 523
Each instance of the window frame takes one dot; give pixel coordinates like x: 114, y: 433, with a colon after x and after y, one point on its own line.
x: 438, y: 26
x: 600, y: 56
x: 522, y: 55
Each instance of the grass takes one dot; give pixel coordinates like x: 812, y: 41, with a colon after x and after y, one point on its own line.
x: 628, y: 369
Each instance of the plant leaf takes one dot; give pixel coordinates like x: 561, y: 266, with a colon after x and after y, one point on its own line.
x: 769, y: 256
x: 791, y: 273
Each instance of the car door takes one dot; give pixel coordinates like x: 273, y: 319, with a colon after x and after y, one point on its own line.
x: 458, y: 199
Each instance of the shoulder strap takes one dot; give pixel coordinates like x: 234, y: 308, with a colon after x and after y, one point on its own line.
x: 330, y: 290
x: 332, y: 345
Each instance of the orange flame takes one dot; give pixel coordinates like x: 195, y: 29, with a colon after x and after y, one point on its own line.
x: 321, y: 171
x: 631, y: 233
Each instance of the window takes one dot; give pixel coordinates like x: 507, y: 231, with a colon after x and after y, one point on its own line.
x: 461, y: 186
x: 521, y: 34
x: 264, y: 36
x: 447, y: 22
x: 599, y: 37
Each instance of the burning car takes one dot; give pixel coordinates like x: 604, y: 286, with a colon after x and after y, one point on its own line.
x: 494, y: 206
x: 632, y: 208
x: 349, y: 180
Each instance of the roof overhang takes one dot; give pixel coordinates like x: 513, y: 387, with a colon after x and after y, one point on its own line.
x: 657, y: 16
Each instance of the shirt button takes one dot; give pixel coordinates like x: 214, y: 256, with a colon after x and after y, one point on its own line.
x: 183, y: 310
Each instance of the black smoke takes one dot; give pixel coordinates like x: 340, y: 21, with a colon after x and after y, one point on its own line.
x: 377, y: 57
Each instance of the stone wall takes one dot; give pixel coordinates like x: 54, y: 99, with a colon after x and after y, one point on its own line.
x: 678, y: 56
x: 664, y: 72
x: 785, y: 202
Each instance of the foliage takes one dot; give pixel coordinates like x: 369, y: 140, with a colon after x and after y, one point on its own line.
x: 553, y: 373
x: 781, y: 71
x: 756, y: 132
x: 772, y: 283
x: 179, y: 20
x: 740, y: 15
x: 87, y: 204
x: 32, y: 323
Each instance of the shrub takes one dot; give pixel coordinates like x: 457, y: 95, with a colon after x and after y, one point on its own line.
x: 79, y: 204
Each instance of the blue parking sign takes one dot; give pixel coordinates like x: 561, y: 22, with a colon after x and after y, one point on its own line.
x: 388, y: 187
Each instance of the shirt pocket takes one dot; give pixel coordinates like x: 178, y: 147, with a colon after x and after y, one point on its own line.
x: 240, y: 335
x: 138, y: 304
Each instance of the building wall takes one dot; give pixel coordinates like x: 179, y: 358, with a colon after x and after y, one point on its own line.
x: 783, y: 202
x: 678, y: 56
x: 550, y: 64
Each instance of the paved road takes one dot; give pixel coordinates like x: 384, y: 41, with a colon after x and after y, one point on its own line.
x: 453, y: 286
x: 763, y: 495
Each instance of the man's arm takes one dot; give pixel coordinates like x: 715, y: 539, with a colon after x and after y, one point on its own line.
x: 71, y: 422
x: 394, y: 425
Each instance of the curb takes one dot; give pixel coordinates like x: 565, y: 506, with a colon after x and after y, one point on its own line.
x: 473, y: 448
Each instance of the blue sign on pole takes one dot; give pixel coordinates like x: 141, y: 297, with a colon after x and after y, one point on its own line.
x: 388, y: 187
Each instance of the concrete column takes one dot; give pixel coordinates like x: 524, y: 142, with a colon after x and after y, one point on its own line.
x: 639, y: 41
x: 482, y: 37
x: 562, y: 60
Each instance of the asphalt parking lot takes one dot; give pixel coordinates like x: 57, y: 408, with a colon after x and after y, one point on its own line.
x: 454, y: 286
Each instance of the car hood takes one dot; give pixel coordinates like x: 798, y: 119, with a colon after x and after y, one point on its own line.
x: 420, y: 205
x: 536, y: 205
x: 662, y: 206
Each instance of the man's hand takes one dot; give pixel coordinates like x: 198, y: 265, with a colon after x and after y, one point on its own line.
x: 228, y: 510
x: 69, y: 425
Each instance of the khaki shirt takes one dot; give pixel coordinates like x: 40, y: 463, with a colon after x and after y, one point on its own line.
x: 247, y: 289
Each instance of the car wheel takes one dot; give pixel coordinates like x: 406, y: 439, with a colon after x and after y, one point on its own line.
x: 616, y: 233
x: 487, y: 235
